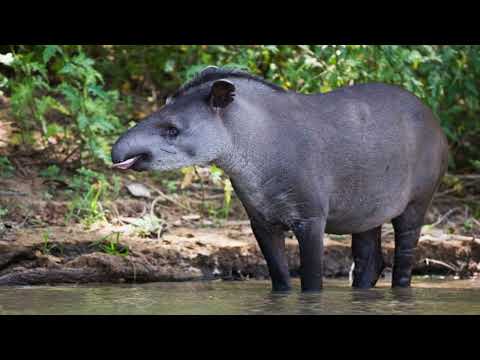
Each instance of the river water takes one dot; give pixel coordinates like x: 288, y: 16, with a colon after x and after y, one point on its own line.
x: 427, y: 296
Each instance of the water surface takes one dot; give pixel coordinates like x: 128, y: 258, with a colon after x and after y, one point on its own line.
x: 427, y: 296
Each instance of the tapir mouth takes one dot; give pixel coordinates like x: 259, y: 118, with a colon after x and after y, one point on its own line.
x: 127, y: 164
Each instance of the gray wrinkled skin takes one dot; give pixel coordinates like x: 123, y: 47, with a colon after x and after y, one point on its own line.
x: 344, y: 162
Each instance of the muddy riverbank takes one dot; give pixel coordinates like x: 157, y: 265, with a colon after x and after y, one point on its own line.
x: 115, y: 254
x: 171, y: 238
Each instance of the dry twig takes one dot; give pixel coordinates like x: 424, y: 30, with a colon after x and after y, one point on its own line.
x: 445, y: 216
x: 162, y: 195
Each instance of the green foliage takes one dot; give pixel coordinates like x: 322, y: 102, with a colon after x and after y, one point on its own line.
x: 88, y: 189
x: 3, y: 212
x: 56, y: 90
x: 216, y: 174
x: 53, y: 172
x: 48, y: 248
x: 228, y: 191
x: 85, y: 179
x: 70, y: 94
x: 110, y: 244
x: 6, y: 167
x: 445, y: 77
x: 218, y: 178
x: 171, y: 185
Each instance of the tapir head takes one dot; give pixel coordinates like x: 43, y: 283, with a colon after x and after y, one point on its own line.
x: 188, y: 130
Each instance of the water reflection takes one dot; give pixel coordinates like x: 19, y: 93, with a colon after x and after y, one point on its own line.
x: 367, y: 301
x: 403, y: 295
x: 249, y: 297
x: 275, y: 303
x: 313, y: 303
x: 370, y: 295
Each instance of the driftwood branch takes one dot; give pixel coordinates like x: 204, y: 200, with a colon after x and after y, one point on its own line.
x: 441, y: 263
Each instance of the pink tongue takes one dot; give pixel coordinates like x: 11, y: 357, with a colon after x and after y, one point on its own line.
x: 127, y: 164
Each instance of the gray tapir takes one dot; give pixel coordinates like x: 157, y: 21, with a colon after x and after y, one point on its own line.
x: 342, y: 162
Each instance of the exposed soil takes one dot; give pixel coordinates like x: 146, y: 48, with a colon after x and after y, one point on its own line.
x: 36, y: 246
x: 73, y: 256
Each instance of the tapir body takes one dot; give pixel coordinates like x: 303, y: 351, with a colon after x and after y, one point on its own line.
x: 342, y: 162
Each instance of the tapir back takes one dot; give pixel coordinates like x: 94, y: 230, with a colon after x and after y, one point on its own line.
x: 372, y: 147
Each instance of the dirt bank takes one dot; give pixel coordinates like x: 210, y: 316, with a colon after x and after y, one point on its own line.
x: 38, y: 246
x: 73, y: 255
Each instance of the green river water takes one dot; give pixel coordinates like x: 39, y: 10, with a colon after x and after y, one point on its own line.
x: 427, y: 296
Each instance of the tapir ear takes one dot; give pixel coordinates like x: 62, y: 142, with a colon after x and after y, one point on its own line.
x: 222, y: 93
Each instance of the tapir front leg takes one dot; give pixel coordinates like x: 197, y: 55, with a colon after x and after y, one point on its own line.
x: 309, y: 234
x: 271, y: 240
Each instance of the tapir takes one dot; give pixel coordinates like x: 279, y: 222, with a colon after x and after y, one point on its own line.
x: 340, y: 162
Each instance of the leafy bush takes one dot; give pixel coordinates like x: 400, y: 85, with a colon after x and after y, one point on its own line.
x: 446, y: 78
x: 57, y: 90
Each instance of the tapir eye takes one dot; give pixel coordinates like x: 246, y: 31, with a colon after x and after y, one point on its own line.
x: 171, y: 131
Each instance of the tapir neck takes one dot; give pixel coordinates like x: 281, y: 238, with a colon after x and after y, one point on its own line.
x: 257, y: 140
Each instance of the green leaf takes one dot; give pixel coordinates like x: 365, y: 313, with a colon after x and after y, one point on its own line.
x: 53, y: 130
x: 52, y: 172
x: 169, y: 66
x: 82, y: 121
x: 215, y: 174
x: 50, y: 51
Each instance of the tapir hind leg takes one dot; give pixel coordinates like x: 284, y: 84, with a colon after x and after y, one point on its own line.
x: 407, y: 228
x: 368, y: 258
